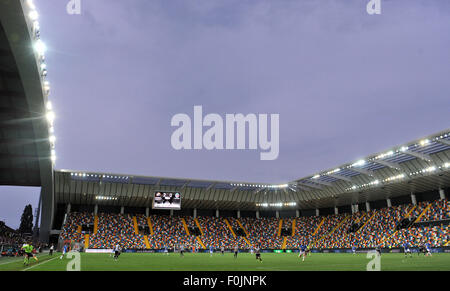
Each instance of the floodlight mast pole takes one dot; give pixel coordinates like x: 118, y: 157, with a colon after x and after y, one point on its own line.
x: 36, y: 223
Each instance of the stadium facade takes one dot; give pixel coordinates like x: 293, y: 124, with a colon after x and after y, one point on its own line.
x: 420, y: 167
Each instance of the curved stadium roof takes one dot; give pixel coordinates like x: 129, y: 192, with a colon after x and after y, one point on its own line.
x: 417, y: 166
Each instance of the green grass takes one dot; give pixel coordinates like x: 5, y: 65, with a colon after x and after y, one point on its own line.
x: 245, y: 262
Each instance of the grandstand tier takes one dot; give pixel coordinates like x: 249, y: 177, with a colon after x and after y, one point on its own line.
x: 429, y: 224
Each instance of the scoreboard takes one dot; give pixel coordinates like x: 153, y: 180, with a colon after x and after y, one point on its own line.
x: 167, y: 200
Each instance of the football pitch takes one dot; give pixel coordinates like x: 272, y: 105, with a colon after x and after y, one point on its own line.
x: 218, y: 262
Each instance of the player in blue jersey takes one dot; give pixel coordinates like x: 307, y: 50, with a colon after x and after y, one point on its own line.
x: 407, y: 250
x: 65, y: 250
x: 303, y: 252
x: 428, y: 249
x: 354, y: 250
x: 211, y: 250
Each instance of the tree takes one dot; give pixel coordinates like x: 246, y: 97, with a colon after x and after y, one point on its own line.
x: 26, y: 221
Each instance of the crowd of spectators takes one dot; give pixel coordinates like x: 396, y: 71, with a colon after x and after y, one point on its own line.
x: 216, y: 233
x: 361, y: 230
x: 70, y: 229
x: 116, y: 229
x: 9, y: 236
x: 263, y: 232
x: 168, y: 232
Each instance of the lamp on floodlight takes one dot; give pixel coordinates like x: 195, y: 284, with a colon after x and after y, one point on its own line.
x: 50, y: 117
x: 33, y: 15
x: 40, y: 47
x: 31, y: 4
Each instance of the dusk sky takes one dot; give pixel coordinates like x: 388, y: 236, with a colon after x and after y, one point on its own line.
x: 345, y: 83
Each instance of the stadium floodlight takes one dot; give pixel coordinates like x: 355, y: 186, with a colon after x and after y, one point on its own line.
x: 31, y: 4
x: 50, y: 117
x: 430, y: 169
x: 316, y: 177
x: 359, y: 163
x: 53, y: 155
x: 49, y: 105
x: 52, y: 139
x: 424, y: 142
x: 40, y: 47
x: 446, y: 165
x: 33, y: 15
x: 36, y: 26
x: 403, y: 149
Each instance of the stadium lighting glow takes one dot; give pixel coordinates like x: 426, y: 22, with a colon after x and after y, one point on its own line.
x: 52, y: 139
x: 354, y: 187
x: 105, y: 198
x: 260, y: 186
x: 430, y: 169
x: 33, y: 15
x: 447, y: 165
x: 40, y: 47
x: 359, y: 163
x: 403, y: 149
x: 424, y: 142
x: 36, y: 26
x: 316, y: 177
x: 50, y: 117
x: 49, y: 105
x: 393, y: 178
x: 31, y: 4
x: 279, y: 204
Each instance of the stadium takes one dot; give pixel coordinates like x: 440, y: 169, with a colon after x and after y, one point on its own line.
x: 386, y: 200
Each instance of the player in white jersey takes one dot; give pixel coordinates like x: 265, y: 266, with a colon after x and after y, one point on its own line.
x: 182, y: 250
x: 116, y: 252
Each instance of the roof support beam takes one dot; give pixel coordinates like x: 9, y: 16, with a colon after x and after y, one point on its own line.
x: 321, y: 182
x: 258, y: 190
x: 340, y: 177
x: 362, y: 171
x: 234, y: 189
x: 157, y: 183
x: 421, y: 156
x: 444, y: 141
x: 185, y: 184
x: 391, y: 165
x: 211, y: 186
x: 310, y: 185
x: 299, y: 187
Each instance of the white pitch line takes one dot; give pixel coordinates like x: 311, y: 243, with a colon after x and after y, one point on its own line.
x: 39, y: 264
x: 17, y: 260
